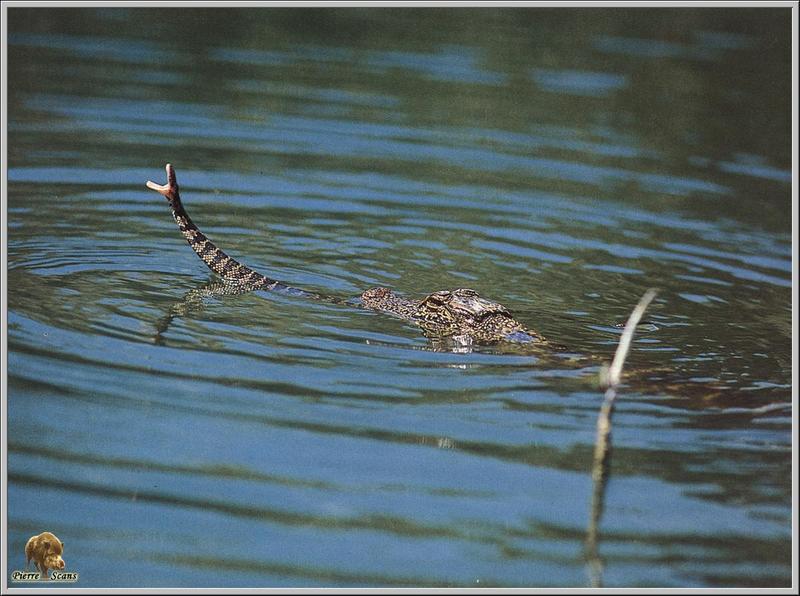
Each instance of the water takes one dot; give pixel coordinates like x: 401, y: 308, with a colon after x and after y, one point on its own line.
x: 557, y: 161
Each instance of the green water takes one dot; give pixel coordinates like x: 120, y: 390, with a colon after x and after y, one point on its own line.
x: 559, y: 161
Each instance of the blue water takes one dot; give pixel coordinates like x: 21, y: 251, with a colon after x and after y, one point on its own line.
x: 557, y: 161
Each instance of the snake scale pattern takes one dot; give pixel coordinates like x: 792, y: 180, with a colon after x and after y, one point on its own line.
x: 460, y: 314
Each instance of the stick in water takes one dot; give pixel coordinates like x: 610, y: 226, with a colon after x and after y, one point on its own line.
x: 611, y: 378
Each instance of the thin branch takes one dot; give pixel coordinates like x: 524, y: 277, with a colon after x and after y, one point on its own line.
x: 611, y: 378
x: 615, y: 372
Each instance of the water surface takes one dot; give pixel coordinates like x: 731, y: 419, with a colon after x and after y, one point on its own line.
x: 557, y: 161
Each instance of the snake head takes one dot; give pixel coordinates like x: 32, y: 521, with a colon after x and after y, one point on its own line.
x: 170, y: 189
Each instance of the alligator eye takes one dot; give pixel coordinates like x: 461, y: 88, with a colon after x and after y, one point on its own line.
x: 465, y: 292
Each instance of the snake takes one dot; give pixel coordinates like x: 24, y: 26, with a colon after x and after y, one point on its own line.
x: 460, y: 314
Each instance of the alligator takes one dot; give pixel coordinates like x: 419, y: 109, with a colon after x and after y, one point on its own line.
x: 460, y: 315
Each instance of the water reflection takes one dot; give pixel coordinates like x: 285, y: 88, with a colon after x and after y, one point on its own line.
x: 558, y: 161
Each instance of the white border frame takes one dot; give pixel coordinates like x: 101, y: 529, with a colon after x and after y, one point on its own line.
x: 4, y: 581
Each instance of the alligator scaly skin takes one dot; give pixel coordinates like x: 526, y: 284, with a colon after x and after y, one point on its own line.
x: 460, y: 314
